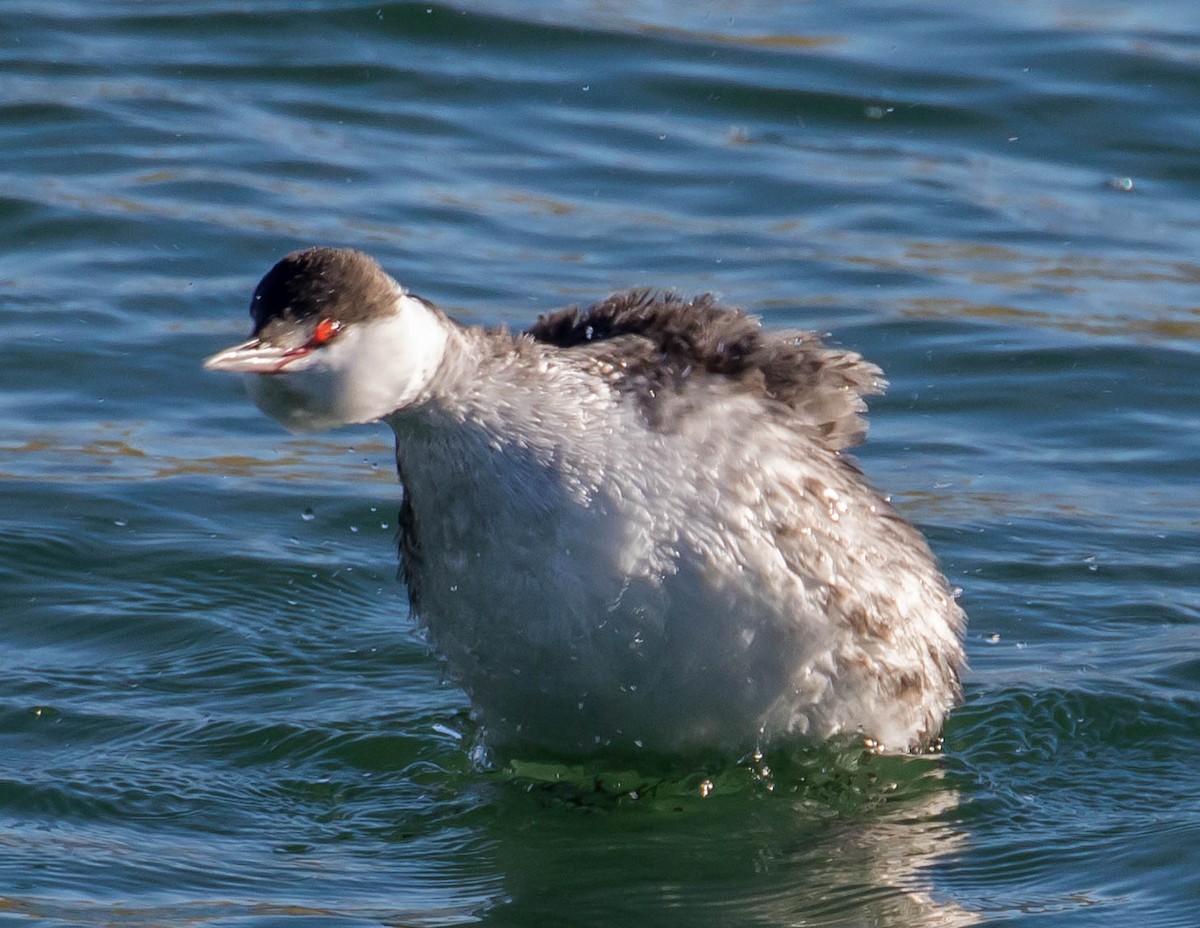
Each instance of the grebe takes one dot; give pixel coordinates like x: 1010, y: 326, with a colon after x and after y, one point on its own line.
x: 629, y: 528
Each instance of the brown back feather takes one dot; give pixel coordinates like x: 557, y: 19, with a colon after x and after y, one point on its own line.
x: 658, y: 340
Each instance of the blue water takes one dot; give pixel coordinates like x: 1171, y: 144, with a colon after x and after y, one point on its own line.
x: 214, y: 708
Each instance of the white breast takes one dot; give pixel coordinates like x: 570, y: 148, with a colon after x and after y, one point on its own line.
x: 595, y: 583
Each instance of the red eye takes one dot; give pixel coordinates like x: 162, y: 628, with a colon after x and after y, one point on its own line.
x: 324, y: 332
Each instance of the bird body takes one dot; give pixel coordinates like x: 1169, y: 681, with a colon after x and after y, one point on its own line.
x: 632, y: 528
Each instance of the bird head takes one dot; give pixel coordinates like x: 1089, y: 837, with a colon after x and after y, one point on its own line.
x: 336, y: 341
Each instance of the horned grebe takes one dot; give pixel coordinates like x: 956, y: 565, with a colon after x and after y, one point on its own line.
x: 629, y: 528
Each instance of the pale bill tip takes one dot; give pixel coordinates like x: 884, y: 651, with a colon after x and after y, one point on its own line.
x: 251, y: 357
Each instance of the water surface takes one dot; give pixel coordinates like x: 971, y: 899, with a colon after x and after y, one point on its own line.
x: 214, y: 709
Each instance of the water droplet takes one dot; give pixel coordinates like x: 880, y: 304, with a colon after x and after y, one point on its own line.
x: 446, y: 730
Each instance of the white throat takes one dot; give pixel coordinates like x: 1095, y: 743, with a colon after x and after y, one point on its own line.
x: 372, y: 369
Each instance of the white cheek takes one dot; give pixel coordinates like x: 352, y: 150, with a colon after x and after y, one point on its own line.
x: 300, y: 402
x: 379, y: 367
x: 368, y: 372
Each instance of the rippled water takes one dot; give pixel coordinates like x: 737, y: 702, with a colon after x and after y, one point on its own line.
x: 213, y: 707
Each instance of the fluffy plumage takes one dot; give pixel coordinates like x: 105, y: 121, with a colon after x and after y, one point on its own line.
x: 660, y: 340
x: 633, y: 527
